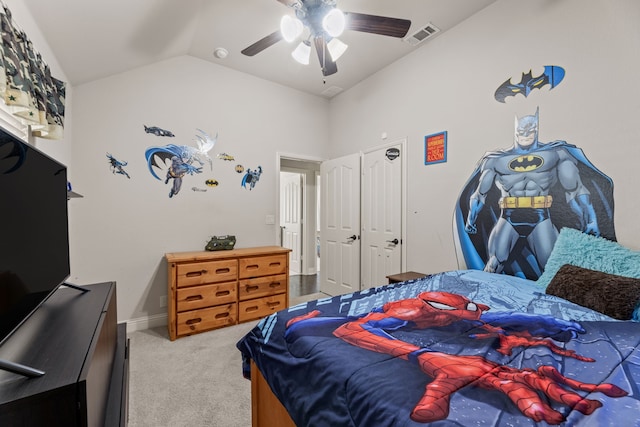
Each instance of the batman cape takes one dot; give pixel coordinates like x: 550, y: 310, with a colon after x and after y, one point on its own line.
x: 522, y: 261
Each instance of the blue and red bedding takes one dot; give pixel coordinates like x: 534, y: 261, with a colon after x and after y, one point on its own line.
x: 461, y: 348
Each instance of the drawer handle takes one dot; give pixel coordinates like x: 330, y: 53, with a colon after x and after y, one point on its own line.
x: 193, y: 298
x: 250, y: 309
x: 194, y: 321
x: 222, y: 315
x: 196, y: 273
x: 251, y: 288
x: 222, y: 270
x: 252, y: 267
x: 222, y: 293
x: 272, y: 305
x: 275, y: 264
x: 274, y: 284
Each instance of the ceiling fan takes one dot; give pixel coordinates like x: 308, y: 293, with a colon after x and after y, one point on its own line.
x: 324, y: 22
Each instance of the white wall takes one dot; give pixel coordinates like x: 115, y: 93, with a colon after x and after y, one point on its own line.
x: 123, y: 227
x: 449, y: 83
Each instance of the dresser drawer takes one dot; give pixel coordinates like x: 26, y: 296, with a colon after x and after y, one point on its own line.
x: 190, y: 274
x: 191, y: 322
x: 261, y: 307
x: 262, y: 266
x: 205, y: 296
x: 262, y: 286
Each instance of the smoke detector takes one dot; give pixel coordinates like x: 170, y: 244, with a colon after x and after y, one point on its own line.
x: 424, y: 33
x: 220, y: 52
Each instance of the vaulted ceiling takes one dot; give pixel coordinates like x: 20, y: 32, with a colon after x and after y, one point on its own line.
x: 92, y: 39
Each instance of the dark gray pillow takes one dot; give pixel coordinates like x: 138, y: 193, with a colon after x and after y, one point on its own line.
x: 615, y: 296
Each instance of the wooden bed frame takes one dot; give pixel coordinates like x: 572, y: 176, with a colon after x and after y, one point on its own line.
x: 266, y: 409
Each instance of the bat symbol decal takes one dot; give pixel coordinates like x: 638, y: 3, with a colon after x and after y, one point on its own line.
x: 552, y: 76
x: 526, y: 163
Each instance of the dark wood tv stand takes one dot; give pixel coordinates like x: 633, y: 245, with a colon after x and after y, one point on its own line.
x: 75, y: 339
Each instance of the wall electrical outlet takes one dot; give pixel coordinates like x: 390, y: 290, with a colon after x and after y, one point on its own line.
x: 163, y: 301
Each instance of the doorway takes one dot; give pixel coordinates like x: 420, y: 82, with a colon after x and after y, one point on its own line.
x: 363, y: 213
x: 298, y: 220
x: 349, y: 239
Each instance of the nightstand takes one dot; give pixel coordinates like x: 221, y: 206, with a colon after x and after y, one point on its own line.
x: 403, y: 277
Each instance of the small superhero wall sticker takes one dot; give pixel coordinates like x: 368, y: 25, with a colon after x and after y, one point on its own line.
x: 205, y: 144
x: 155, y: 130
x: 211, y: 183
x: 551, y: 76
x: 177, y: 161
x: 251, y: 177
x: 117, y: 166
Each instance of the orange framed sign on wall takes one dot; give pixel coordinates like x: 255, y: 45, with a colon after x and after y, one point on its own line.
x: 435, y: 148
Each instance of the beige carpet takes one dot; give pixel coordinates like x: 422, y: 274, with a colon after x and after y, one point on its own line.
x: 194, y: 381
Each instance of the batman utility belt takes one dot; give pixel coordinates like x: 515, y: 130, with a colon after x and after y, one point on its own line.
x: 535, y: 202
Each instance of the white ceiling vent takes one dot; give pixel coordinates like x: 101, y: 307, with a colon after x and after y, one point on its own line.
x: 424, y: 33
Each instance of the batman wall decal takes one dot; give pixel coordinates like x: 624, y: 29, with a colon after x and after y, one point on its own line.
x: 552, y: 76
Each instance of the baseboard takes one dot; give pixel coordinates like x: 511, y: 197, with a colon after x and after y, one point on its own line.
x: 148, y: 322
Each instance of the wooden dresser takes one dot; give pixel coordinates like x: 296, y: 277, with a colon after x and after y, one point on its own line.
x: 212, y: 289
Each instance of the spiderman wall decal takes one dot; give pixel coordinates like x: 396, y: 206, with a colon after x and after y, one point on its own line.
x: 530, y: 390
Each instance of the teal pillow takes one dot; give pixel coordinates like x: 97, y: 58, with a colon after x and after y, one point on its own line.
x: 595, y: 253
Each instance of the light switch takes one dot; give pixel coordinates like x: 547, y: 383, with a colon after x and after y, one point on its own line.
x: 270, y: 220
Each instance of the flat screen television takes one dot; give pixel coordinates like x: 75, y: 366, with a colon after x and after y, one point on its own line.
x: 34, y: 241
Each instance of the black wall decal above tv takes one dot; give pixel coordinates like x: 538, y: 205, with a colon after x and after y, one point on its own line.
x: 34, y: 236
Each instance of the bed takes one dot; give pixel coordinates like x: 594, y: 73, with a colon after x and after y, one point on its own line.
x: 458, y: 348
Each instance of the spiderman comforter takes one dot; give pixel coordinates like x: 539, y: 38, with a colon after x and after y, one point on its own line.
x: 462, y: 348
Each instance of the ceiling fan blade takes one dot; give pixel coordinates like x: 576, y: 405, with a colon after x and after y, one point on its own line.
x: 383, y: 25
x: 262, y: 44
x: 326, y: 63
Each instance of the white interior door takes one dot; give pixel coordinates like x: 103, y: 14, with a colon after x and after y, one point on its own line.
x: 340, y: 225
x: 291, y: 218
x: 381, y: 215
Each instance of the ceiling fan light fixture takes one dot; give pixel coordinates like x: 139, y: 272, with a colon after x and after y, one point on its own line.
x: 334, y: 22
x: 290, y: 28
x: 336, y: 48
x: 302, y: 52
